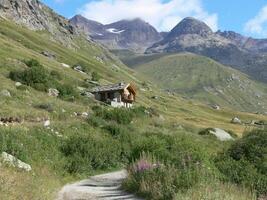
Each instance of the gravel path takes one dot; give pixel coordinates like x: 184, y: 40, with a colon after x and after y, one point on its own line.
x: 104, y: 187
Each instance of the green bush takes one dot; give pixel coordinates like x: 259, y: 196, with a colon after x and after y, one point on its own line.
x: 119, y: 115
x: 95, y: 76
x: 115, y: 129
x: 66, y: 91
x: 56, y: 75
x: 154, y: 180
x: 87, y: 152
x: 40, y: 79
x: 245, y: 161
x: 36, y: 76
x: 32, y: 63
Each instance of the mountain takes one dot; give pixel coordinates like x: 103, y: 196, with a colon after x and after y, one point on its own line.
x: 228, y: 48
x: 87, y: 26
x: 136, y: 34
x: 198, y: 77
x: 36, y: 16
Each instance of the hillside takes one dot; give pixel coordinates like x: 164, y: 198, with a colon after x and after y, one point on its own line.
x: 197, y: 77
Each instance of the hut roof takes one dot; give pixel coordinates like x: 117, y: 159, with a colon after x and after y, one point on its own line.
x: 113, y: 87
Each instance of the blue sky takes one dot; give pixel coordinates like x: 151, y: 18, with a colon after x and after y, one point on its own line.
x: 248, y: 17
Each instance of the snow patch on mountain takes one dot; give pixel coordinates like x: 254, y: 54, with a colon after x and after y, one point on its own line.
x: 115, y: 31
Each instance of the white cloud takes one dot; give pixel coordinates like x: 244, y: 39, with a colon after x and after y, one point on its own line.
x: 258, y: 24
x: 164, y: 16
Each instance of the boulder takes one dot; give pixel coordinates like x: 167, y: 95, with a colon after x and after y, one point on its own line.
x: 5, y: 93
x: 53, y: 92
x: 79, y: 68
x: 216, y: 107
x: 65, y: 65
x: 221, y: 135
x: 18, y: 84
x: 47, y: 123
x: 88, y: 94
x: 48, y: 54
x: 13, y: 161
x: 236, y: 120
x: 85, y: 115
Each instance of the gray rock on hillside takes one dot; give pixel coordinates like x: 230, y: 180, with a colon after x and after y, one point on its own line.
x: 35, y: 15
x: 14, y: 162
x: 5, y: 93
x: 52, y: 92
x: 221, y: 135
x: 236, y: 120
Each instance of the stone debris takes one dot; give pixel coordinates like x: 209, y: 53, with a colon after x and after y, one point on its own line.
x: 65, y: 65
x: 53, y: 92
x: 18, y: 84
x: 216, y: 107
x: 5, y: 93
x: 48, y: 54
x: 79, y: 68
x: 47, y: 123
x: 14, y: 162
x: 236, y: 120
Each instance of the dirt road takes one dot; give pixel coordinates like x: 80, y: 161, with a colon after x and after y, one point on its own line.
x: 104, y: 187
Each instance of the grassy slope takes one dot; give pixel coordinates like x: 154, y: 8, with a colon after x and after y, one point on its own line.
x: 201, y: 78
x: 18, y: 44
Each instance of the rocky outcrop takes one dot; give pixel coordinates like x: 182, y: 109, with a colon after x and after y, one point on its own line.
x: 14, y: 162
x: 36, y: 16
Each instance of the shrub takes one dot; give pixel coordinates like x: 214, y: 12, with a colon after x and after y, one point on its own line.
x: 56, y: 75
x: 96, y: 121
x: 154, y: 180
x: 32, y: 63
x: 119, y: 115
x: 36, y: 76
x: 95, y: 76
x: 66, y: 91
x: 245, y: 161
x: 115, y: 129
x: 85, y: 153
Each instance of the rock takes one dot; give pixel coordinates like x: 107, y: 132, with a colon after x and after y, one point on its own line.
x: 53, y: 92
x: 85, y: 115
x: 94, y: 83
x: 48, y: 54
x: 216, y: 107
x: 18, y: 84
x: 81, y: 88
x: 65, y: 65
x: 47, y: 123
x: 236, y: 120
x: 5, y: 93
x: 79, y: 68
x: 13, y: 161
x: 88, y: 94
x: 221, y: 134
x: 155, y: 97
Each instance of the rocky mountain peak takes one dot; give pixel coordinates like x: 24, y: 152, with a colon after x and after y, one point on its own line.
x: 34, y: 15
x: 190, y: 25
